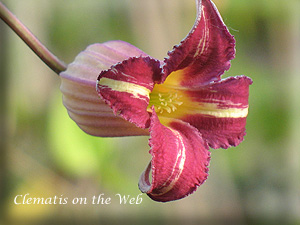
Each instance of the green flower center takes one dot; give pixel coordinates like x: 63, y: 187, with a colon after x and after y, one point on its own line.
x: 165, y: 101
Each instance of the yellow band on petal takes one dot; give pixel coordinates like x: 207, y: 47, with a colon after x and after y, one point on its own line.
x: 172, y: 102
x: 190, y: 107
x: 212, y: 109
x: 121, y: 86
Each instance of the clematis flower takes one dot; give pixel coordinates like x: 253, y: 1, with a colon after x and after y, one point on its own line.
x: 184, y: 104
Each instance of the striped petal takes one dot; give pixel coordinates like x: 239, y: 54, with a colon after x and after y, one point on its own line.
x: 204, y: 54
x: 80, y: 97
x: 180, y: 160
x: 219, y: 111
x: 126, y: 88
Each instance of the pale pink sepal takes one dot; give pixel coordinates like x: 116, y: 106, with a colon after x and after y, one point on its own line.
x: 78, y: 86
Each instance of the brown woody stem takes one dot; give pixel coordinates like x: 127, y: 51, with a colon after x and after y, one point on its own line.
x: 36, y: 46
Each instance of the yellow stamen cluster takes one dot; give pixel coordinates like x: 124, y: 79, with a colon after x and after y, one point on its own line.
x: 162, y: 102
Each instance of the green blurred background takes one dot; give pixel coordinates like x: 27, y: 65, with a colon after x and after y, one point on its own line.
x: 45, y: 154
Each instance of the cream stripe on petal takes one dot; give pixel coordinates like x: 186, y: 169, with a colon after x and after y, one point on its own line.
x: 173, y: 102
x: 211, y: 109
x: 122, y: 86
x: 226, y: 113
x: 204, y: 38
x: 178, y: 165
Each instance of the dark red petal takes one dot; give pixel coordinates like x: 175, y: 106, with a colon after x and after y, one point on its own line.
x: 205, y: 53
x: 224, y: 125
x: 180, y: 160
x: 126, y: 87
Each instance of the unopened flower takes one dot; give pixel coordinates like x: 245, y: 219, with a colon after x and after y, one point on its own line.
x: 184, y: 104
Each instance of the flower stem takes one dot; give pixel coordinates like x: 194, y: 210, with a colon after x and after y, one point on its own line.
x: 36, y: 46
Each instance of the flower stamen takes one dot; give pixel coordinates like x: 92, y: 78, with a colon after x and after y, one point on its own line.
x: 162, y: 102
